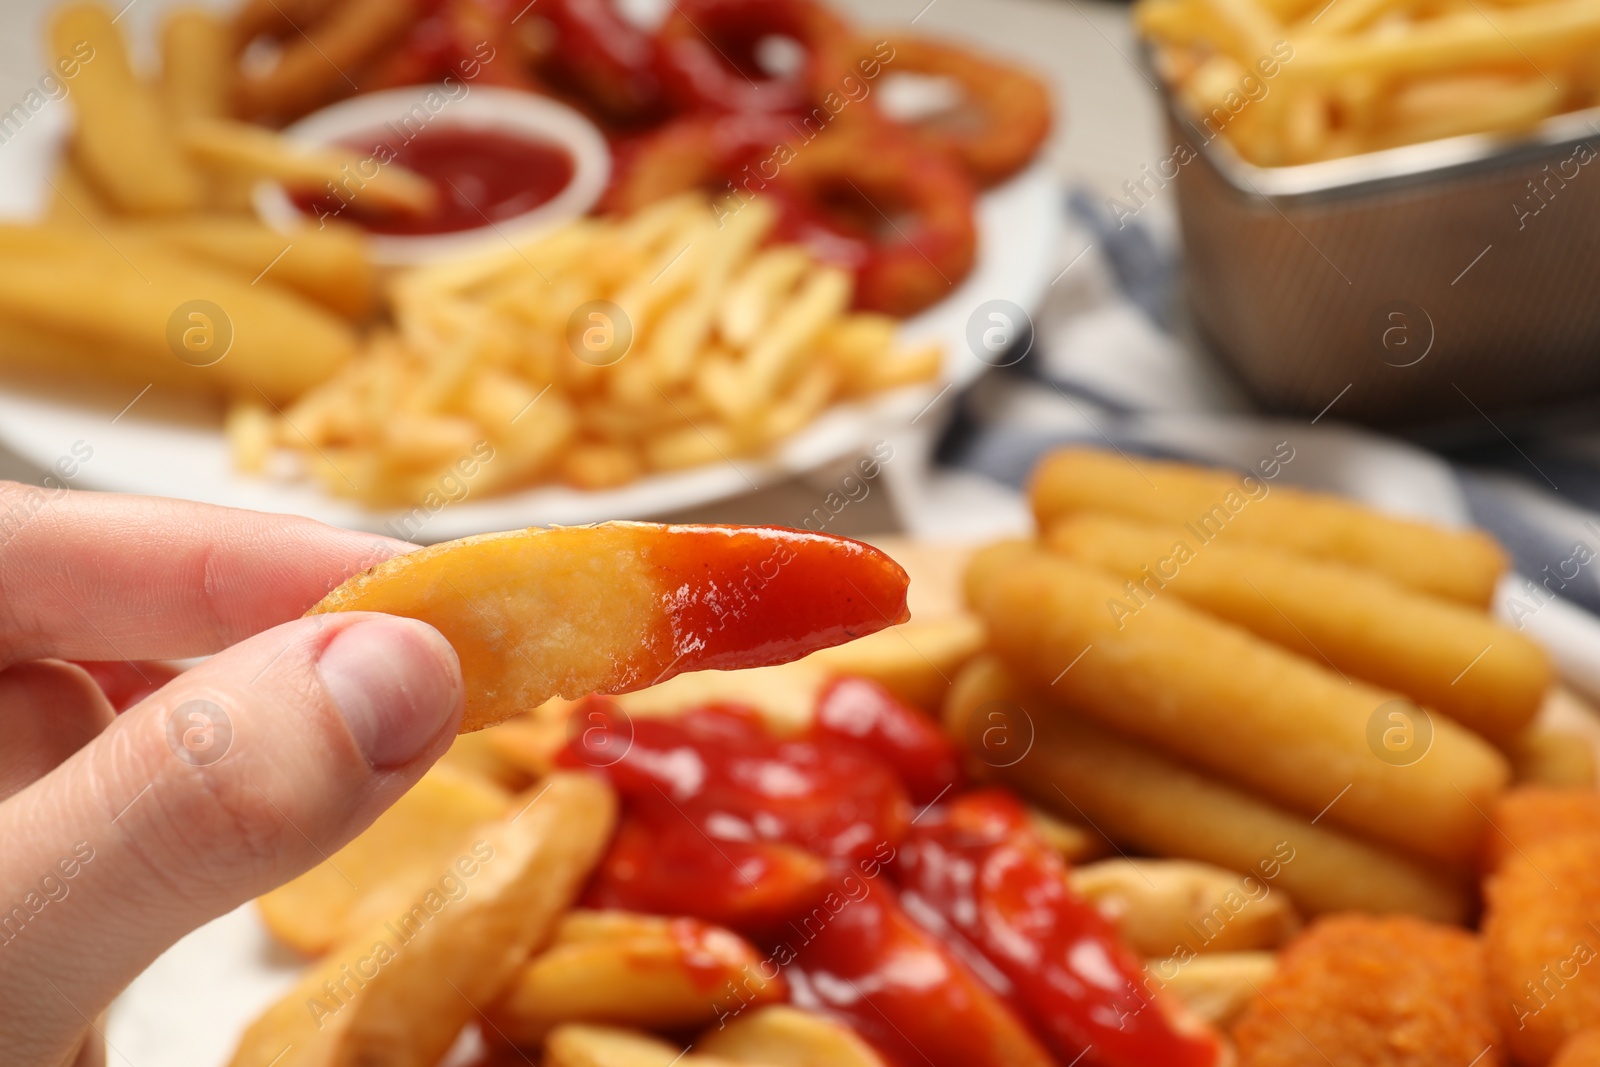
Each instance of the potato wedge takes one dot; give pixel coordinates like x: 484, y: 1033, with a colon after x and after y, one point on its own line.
x: 1177, y: 907
x: 635, y: 970
x: 398, y: 854
x: 400, y: 994
x: 539, y: 613
x: 781, y: 1036
x: 1216, y: 987
x: 577, y: 1045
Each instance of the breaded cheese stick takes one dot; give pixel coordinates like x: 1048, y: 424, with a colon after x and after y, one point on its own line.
x: 1154, y: 804
x: 1443, y: 655
x: 1457, y: 564
x: 1221, y: 698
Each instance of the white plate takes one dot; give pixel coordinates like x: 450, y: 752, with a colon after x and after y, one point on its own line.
x: 167, y: 446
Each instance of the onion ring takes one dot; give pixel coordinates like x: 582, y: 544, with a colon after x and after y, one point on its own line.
x: 716, y: 153
x: 603, y: 58
x: 872, y: 199
x: 1001, y: 124
x: 710, y: 61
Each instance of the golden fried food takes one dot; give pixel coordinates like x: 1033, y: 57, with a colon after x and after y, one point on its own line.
x: 400, y: 994
x: 310, y: 71
x: 394, y: 858
x: 1158, y: 904
x: 781, y: 1036
x: 1149, y: 802
x: 1216, y: 987
x: 1555, y: 757
x: 1443, y: 655
x: 1533, y: 815
x: 567, y: 611
x: 1002, y: 120
x: 1221, y: 698
x: 596, y: 353
x: 580, y: 1045
x: 1542, y: 909
x: 158, y: 315
x: 122, y: 140
x: 623, y: 969
x: 1456, y: 564
x: 1581, y: 1050
x: 196, y: 65
x: 1378, y: 992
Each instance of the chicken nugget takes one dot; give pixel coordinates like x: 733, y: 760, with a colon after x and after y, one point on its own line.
x: 1582, y: 1050
x: 1541, y: 931
x: 1533, y: 815
x: 1361, y: 991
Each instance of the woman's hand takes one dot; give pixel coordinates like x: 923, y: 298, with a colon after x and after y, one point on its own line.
x: 120, y: 833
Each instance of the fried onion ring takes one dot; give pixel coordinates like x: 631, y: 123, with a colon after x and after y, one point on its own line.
x: 872, y: 199
x: 595, y: 53
x: 711, y: 54
x: 1001, y: 122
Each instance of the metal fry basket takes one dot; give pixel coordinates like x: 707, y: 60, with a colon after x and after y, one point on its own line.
x: 1413, y: 285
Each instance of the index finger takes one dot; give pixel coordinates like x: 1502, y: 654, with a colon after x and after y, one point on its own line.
x: 101, y: 576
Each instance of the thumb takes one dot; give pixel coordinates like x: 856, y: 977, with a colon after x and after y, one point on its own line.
x: 228, y: 781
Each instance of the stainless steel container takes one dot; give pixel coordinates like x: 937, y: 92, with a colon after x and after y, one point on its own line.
x: 1427, y: 284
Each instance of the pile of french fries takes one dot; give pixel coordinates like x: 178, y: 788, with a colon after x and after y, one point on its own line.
x: 592, y: 355
x: 1296, y: 81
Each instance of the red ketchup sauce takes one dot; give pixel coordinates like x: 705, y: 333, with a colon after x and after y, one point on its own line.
x: 482, y: 176
x: 944, y: 934
x: 978, y: 867
x: 743, y: 595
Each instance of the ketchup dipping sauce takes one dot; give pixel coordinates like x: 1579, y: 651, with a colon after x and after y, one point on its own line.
x: 483, y: 175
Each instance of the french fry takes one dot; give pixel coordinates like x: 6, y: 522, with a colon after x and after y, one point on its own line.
x: 636, y: 604
x: 747, y: 305
x: 1163, y: 907
x: 1150, y: 802
x: 401, y: 992
x: 781, y: 1036
x: 249, y: 429
x: 328, y: 265
x: 1453, y: 104
x: 578, y: 1045
x: 398, y: 854
x: 122, y: 139
x: 1486, y: 676
x: 634, y: 970
x: 1215, y: 987
x: 317, y: 64
x: 1456, y: 564
x: 822, y: 296
x: 131, y: 301
x: 196, y: 65
x: 240, y: 148
x: 1227, y: 701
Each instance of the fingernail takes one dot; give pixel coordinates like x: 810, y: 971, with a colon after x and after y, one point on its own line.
x: 397, y: 684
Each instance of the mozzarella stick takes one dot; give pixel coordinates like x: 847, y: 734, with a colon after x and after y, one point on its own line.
x: 123, y: 140
x: 1222, y: 698
x: 1486, y: 676
x: 1457, y: 564
x: 1149, y: 802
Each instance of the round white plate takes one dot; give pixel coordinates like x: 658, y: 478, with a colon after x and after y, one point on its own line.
x: 167, y: 446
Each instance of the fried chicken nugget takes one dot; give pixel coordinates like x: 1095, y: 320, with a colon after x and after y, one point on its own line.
x: 1359, y: 991
x: 1541, y: 931
x: 1533, y: 815
x: 1583, y: 1050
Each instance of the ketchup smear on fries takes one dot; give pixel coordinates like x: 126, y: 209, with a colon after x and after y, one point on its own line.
x: 932, y: 919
